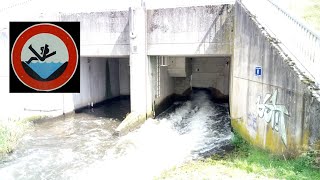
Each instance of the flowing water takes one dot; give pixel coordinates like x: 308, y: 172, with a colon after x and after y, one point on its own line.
x: 81, y: 146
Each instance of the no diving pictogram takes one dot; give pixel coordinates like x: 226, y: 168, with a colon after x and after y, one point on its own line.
x: 44, y: 57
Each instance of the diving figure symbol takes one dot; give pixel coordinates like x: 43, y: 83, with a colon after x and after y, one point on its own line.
x: 44, y: 52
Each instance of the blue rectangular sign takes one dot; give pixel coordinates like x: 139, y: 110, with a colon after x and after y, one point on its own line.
x: 258, y: 71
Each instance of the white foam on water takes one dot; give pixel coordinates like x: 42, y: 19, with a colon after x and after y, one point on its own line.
x: 163, y: 143
x: 83, y: 147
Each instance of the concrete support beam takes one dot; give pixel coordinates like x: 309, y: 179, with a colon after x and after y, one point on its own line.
x: 103, y: 34
x: 138, y: 59
x: 138, y: 69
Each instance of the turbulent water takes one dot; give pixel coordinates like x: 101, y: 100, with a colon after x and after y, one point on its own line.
x: 82, y: 146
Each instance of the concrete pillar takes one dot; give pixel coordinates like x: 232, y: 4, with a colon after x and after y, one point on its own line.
x: 139, y: 76
x: 138, y: 70
x: 138, y: 58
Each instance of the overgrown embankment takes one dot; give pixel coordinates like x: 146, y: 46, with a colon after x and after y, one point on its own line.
x: 11, y: 131
x: 247, y: 162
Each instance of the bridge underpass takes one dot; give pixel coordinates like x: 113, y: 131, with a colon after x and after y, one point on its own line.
x: 193, y: 34
x: 102, y: 79
x: 174, y: 77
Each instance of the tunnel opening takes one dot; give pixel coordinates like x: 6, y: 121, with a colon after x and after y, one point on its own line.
x: 175, y: 78
x: 191, y: 94
x: 211, y: 74
x: 105, y: 87
x: 192, y: 129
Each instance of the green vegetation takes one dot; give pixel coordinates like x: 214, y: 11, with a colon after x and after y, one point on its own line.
x: 246, y: 161
x: 261, y: 162
x: 307, y: 10
x: 311, y: 13
x: 11, y: 131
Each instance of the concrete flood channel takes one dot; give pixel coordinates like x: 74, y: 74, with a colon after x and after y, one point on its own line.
x: 81, y: 146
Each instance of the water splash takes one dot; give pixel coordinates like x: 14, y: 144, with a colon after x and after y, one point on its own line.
x: 81, y: 147
x: 189, y: 130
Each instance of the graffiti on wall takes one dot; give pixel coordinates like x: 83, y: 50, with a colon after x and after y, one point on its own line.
x: 274, y: 114
x: 252, y: 124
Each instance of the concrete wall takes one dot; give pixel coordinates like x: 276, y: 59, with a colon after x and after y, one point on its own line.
x: 166, y: 84
x: 100, y: 80
x: 190, y: 31
x: 211, y: 72
x: 93, y: 87
x: 114, y: 76
x: 181, y: 84
x: 102, y: 33
x: 207, y: 72
x: 167, y: 31
x: 124, y: 76
x: 162, y: 83
x: 178, y: 66
x: 275, y: 111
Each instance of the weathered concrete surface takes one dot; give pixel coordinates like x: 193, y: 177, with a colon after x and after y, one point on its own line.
x: 205, y: 30
x: 181, y: 84
x: 275, y: 111
x: 106, y: 34
x: 100, y: 80
x: 162, y: 84
x: 140, y: 87
x: 130, y: 123
x: 124, y: 76
x: 102, y: 33
x: 211, y: 72
x: 179, y: 66
x: 93, y: 71
x: 207, y: 72
x: 152, y: 4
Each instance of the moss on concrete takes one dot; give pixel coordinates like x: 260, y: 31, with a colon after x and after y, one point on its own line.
x: 273, y: 141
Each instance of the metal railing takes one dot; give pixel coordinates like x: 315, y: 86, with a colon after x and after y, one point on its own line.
x: 301, y: 42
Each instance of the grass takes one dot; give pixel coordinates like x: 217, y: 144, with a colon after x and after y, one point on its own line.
x: 247, y: 162
x: 311, y: 14
x: 263, y: 163
x: 11, y: 131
